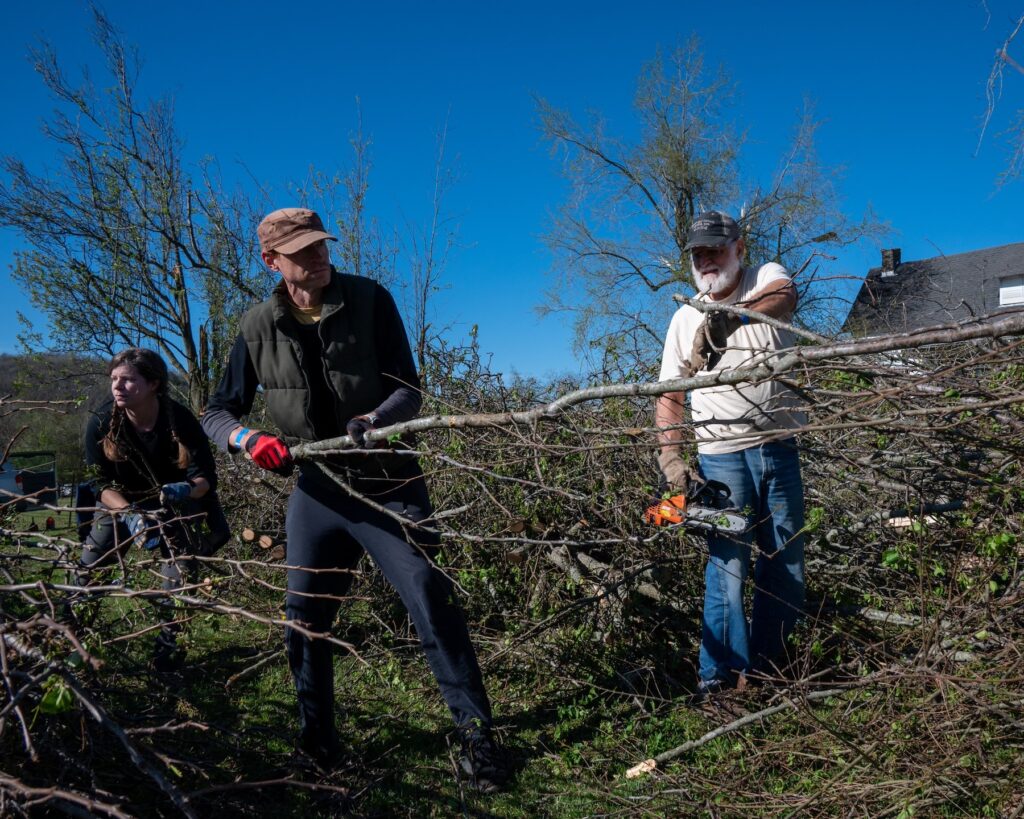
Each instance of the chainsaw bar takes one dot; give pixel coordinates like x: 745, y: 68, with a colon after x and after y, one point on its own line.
x: 674, y: 512
x: 712, y: 520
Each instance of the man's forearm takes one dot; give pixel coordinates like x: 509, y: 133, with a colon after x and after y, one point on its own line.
x: 668, y: 414
x: 668, y: 418
x: 221, y: 426
x: 401, y: 405
x: 777, y: 300
x: 232, y: 400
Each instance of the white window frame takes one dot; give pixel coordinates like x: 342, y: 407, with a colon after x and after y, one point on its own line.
x: 1011, y: 290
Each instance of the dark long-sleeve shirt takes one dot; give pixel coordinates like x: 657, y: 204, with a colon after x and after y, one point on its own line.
x: 150, y: 458
x: 234, y: 396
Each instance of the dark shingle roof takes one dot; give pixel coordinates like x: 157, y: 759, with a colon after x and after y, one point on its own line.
x: 933, y: 291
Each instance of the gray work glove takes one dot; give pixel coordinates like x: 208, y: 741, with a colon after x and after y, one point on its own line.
x: 145, y: 532
x: 357, y: 429
x: 678, y: 473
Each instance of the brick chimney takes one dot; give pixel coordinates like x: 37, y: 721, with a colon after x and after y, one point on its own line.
x: 890, y: 261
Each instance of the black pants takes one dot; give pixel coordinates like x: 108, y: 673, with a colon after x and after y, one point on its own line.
x: 330, y: 530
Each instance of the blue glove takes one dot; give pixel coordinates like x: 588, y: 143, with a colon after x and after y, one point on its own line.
x: 137, y: 525
x: 175, y: 492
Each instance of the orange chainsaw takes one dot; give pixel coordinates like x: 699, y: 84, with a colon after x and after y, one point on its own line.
x: 707, y: 508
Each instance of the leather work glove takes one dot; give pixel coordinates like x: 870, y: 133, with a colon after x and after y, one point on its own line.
x: 357, y: 429
x: 175, y: 492
x: 270, y: 452
x: 679, y: 475
x: 710, y: 339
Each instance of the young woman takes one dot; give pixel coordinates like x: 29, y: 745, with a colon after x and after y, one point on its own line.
x: 151, y: 469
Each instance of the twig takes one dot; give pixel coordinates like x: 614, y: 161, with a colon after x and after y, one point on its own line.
x: 90, y: 804
x: 714, y: 307
x: 649, y: 765
x: 251, y: 670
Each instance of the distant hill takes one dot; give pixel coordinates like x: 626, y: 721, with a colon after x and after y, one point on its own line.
x: 66, y: 385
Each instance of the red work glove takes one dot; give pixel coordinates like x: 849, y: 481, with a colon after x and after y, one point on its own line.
x: 270, y: 452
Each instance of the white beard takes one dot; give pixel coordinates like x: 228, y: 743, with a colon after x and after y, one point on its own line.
x: 722, y: 282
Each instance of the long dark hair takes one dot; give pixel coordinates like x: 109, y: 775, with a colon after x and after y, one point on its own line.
x: 153, y: 368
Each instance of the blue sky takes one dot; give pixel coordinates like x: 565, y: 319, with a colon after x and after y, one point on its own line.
x: 900, y: 87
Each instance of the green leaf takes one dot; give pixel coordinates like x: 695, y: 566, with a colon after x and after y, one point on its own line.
x: 58, y: 698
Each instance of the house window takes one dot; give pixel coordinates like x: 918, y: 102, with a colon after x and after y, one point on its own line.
x: 1011, y: 290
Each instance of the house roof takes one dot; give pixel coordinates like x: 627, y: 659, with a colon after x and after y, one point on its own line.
x: 933, y: 291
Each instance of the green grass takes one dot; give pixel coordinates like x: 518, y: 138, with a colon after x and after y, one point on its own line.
x: 575, y: 714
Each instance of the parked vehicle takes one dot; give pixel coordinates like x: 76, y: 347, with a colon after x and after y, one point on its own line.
x: 10, y: 482
x: 29, y: 473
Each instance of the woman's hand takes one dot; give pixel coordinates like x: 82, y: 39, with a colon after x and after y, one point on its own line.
x: 144, y: 531
x: 175, y: 492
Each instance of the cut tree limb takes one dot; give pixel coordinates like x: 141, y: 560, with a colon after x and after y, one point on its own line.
x: 649, y: 765
x: 1007, y: 324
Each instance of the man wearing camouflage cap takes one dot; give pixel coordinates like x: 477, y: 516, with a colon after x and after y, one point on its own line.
x: 331, y: 355
x: 745, y: 439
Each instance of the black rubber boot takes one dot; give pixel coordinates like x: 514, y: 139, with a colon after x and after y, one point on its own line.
x: 168, y: 656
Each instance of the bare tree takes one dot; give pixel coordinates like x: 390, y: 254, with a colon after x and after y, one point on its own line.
x: 365, y: 246
x: 429, y: 250
x: 127, y: 247
x: 621, y: 235
x: 993, y: 92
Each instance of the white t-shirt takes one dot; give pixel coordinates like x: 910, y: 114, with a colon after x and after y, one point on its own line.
x: 728, y: 418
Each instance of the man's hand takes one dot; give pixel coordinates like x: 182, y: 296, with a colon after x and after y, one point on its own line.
x: 175, y: 492
x: 711, y: 338
x: 270, y: 452
x: 357, y: 429
x: 679, y: 475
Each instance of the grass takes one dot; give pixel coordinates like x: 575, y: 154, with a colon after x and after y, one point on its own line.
x: 575, y: 714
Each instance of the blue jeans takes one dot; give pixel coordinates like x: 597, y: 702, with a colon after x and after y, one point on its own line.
x: 765, y: 482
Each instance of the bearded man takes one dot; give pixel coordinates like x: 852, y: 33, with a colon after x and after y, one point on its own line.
x: 745, y: 439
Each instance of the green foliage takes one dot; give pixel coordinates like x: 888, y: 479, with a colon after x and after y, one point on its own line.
x: 57, y: 697
x: 129, y: 247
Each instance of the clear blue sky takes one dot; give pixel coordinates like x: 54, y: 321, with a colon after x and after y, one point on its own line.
x: 900, y: 86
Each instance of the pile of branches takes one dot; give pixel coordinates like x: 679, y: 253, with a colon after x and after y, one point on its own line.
x: 902, y: 689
